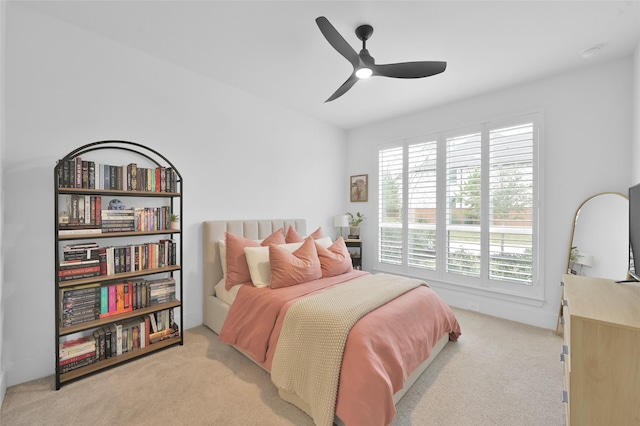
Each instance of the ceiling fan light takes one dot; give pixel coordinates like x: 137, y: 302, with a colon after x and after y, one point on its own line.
x: 364, y: 73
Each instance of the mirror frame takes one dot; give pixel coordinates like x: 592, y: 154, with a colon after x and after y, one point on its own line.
x: 575, y: 219
x: 573, y: 228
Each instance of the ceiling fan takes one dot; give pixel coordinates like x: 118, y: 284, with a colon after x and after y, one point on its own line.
x: 364, y: 65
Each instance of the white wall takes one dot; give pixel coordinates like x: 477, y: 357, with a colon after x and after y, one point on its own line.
x: 635, y: 148
x: 587, y: 116
x: 240, y: 157
x: 3, y: 377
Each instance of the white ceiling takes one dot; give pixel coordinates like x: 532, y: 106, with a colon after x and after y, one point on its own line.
x: 274, y: 49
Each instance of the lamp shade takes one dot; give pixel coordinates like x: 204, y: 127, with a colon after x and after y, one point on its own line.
x: 586, y: 260
x: 341, y: 221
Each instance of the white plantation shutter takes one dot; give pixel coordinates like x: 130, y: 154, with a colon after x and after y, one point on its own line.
x: 463, y: 189
x: 511, y: 203
x: 390, y: 175
x: 460, y: 206
x: 421, y: 220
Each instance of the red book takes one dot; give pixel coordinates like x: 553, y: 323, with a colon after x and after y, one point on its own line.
x: 80, y: 357
x: 78, y: 271
x: 98, y: 215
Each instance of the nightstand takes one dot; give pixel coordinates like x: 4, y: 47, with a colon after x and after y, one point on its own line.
x: 355, y: 249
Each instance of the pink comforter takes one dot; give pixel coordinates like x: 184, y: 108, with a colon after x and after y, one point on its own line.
x: 382, y: 350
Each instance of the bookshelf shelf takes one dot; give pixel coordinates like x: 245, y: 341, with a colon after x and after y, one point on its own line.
x: 84, y: 236
x: 101, y: 365
x: 118, y: 295
x: 88, y: 325
x: 116, y: 277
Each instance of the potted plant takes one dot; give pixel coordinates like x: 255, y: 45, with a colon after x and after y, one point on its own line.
x: 174, y: 220
x: 354, y: 224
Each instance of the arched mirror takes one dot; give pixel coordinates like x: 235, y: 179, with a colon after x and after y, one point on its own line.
x: 600, y: 237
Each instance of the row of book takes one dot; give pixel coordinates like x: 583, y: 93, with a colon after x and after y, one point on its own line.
x: 88, y: 260
x: 93, y: 301
x: 87, y: 174
x: 116, y: 339
x: 84, y: 214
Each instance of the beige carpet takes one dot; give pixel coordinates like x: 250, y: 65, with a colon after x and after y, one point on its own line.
x: 498, y: 373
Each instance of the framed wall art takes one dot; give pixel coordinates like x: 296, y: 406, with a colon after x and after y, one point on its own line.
x: 359, y: 188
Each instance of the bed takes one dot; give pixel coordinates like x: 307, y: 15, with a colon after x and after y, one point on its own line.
x: 384, y: 348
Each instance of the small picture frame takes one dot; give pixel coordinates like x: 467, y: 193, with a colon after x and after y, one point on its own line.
x: 359, y: 188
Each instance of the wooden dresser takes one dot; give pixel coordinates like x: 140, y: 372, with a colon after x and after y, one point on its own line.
x: 601, y: 351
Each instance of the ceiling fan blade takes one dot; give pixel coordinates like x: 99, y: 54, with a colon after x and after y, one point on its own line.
x: 337, y: 41
x: 410, y: 69
x: 343, y: 89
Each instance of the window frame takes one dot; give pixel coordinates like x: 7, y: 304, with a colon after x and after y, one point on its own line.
x: 530, y: 293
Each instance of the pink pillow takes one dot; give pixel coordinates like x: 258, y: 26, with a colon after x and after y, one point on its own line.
x: 335, y: 259
x: 289, y: 269
x: 294, y: 236
x: 237, y: 267
x: 276, y: 238
x: 317, y: 234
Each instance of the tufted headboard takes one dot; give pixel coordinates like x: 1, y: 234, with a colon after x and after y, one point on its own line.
x: 214, y: 230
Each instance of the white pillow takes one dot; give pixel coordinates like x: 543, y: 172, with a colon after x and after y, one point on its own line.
x: 259, y: 265
x: 324, y: 241
x: 222, y: 244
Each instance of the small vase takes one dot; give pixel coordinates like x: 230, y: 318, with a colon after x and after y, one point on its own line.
x: 175, y: 225
x: 354, y: 232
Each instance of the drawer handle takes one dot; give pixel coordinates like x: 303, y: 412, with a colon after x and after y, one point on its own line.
x: 565, y: 396
x: 561, y: 283
x: 565, y: 302
x: 562, y: 357
x: 565, y: 349
x: 562, y: 320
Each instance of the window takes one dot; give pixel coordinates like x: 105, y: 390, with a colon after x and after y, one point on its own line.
x: 460, y: 205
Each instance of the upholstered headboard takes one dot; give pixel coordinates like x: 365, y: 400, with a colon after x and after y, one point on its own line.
x: 214, y: 230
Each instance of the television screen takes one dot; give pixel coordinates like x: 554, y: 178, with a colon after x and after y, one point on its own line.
x: 634, y: 230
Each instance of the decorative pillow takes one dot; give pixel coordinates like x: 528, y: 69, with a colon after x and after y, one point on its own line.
x: 276, y: 238
x: 324, y: 241
x: 259, y: 265
x: 335, y: 259
x: 237, y: 267
x: 294, y: 236
x: 222, y: 244
x: 289, y: 269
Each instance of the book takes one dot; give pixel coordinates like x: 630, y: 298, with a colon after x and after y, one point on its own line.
x: 67, y: 265
x: 104, y: 300
x: 78, y: 172
x: 78, y: 271
x: 79, y: 231
x: 98, y: 334
x: 79, y: 276
x: 78, y: 357
x: 91, y: 174
x: 143, y: 332
x: 77, y: 364
x: 84, y: 353
x: 152, y: 321
x: 77, y: 346
x: 154, y: 337
x: 118, y: 339
x: 112, y: 298
x: 107, y: 342
x: 120, y: 297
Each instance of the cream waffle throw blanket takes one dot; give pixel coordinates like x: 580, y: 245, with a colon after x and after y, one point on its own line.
x: 307, y: 360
